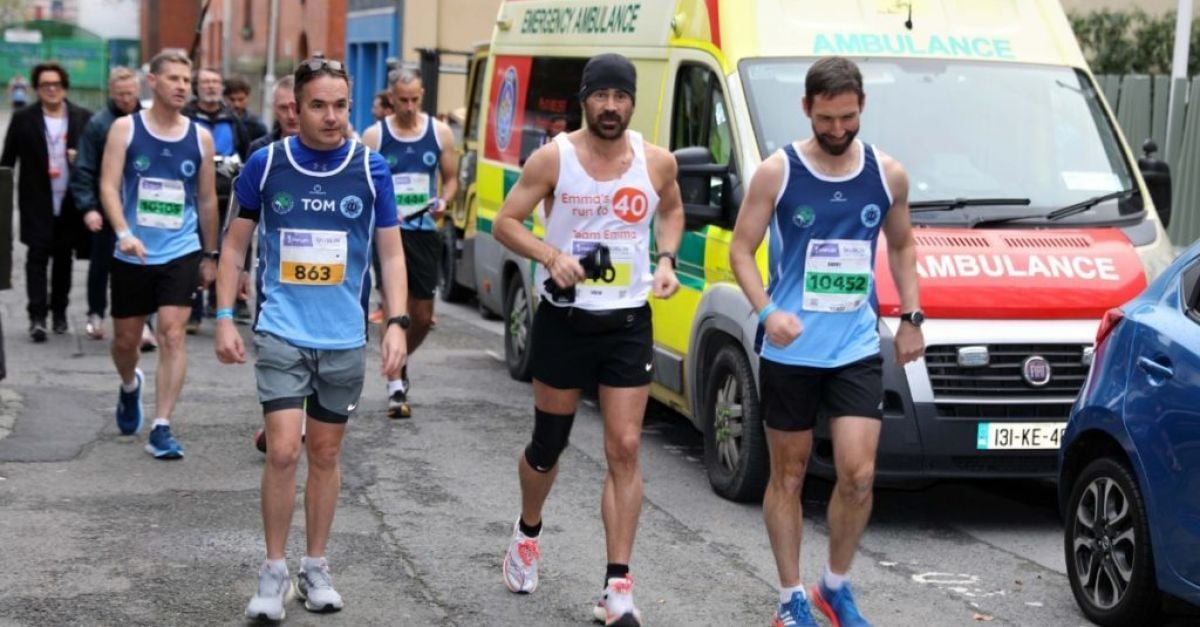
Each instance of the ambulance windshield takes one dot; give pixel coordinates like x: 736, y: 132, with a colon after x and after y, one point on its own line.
x: 967, y: 130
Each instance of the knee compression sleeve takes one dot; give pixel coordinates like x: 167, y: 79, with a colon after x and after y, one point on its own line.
x: 550, y: 434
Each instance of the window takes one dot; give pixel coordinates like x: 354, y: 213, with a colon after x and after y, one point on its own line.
x: 700, y: 116
x: 1190, y: 287
x: 476, y: 100
x: 552, y: 102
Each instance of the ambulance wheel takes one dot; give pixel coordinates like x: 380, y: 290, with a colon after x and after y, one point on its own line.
x: 448, y: 287
x: 518, y: 330
x: 735, y: 446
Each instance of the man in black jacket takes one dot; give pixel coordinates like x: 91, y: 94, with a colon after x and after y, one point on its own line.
x: 43, y: 138
x: 232, y: 144
x: 85, y: 187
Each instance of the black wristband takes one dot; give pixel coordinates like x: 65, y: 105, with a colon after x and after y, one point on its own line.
x: 668, y: 254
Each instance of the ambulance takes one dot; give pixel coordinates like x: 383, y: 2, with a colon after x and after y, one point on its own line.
x: 1031, y: 213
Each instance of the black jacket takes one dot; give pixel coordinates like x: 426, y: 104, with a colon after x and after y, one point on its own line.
x: 85, y: 172
x: 266, y: 140
x: 25, y: 143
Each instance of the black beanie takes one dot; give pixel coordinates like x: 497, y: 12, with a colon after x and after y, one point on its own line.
x: 608, y: 71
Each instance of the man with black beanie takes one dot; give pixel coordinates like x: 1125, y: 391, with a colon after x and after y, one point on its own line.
x: 602, y: 189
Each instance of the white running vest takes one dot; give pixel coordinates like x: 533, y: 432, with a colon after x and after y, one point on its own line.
x: 617, y: 213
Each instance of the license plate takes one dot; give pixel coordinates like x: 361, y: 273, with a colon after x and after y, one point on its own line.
x: 1019, y: 435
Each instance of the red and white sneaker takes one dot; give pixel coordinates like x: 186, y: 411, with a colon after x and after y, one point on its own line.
x: 615, y: 607
x: 521, y: 563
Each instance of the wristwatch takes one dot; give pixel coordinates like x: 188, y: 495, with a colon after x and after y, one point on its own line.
x: 668, y: 254
x: 403, y: 320
x: 215, y: 255
x: 915, y: 318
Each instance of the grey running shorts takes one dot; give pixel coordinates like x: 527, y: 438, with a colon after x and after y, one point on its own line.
x: 326, y: 383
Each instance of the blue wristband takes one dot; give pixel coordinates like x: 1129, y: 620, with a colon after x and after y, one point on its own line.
x: 123, y: 234
x: 766, y: 311
x: 225, y: 314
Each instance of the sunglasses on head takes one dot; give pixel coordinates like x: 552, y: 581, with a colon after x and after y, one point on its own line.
x: 317, y: 64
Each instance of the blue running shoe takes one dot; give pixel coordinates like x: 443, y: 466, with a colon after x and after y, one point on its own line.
x: 794, y: 613
x: 129, y: 406
x: 838, y: 606
x: 163, y: 445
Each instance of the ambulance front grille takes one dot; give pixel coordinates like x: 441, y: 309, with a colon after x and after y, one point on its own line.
x: 1002, y: 378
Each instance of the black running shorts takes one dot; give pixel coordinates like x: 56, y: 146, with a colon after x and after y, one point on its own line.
x: 571, y: 351
x: 422, y: 253
x: 139, y: 290
x: 794, y: 396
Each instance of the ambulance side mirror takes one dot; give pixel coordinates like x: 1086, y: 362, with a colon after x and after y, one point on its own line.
x: 1157, y: 175
x: 711, y: 192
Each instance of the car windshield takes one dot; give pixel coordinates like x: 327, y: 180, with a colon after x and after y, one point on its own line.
x: 968, y: 130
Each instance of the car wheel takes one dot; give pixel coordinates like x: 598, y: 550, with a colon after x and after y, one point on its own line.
x: 448, y: 287
x: 1107, y: 542
x: 735, y: 448
x: 518, y: 330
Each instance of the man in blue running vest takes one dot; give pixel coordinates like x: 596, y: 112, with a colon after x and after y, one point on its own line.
x: 318, y: 202
x: 157, y: 186
x: 419, y: 149
x: 825, y: 200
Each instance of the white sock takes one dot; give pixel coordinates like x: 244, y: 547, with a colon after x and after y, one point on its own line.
x: 307, y: 562
x: 833, y: 581
x: 278, y: 566
x: 785, y: 594
x: 129, y: 387
x: 161, y: 422
x: 396, y: 386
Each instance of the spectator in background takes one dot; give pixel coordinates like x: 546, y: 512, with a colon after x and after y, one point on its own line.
x: 43, y: 139
x: 18, y: 91
x: 237, y: 94
x: 382, y: 106
x: 85, y: 188
x: 287, y: 122
x: 232, y: 144
x: 556, y: 125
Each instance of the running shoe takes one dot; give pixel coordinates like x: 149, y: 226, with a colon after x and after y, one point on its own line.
x: 260, y: 440
x: 149, y: 342
x: 37, y: 331
x: 376, y: 316
x: 162, y: 445
x: 129, y: 406
x: 615, y: 607
x: 838, y: 605
x: 60, y: 324
x: 521, y: 562
x: 95, y: 327
x: 794, y: 613
x: 398, y: 406
x: 315, y: 586
x: 273, y: 587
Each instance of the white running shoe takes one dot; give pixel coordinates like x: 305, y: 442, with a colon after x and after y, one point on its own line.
x: 615, y: 607
x: 273, y: 588
x: 521, y: 563
x: 315, y: 586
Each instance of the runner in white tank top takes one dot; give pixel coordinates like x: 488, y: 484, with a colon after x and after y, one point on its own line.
x: 598, y: 186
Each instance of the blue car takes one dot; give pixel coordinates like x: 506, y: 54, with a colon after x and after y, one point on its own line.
x: 1129, y: 467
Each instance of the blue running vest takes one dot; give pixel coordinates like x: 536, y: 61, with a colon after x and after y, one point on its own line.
x: 821, y: 258
x: 415, y: 164
x: 314, y: 249
x: 158, y: 192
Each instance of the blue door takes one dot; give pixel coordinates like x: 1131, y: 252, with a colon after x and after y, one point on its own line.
x: 1162, y: 410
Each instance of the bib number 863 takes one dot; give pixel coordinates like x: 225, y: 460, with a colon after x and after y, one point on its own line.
x: 311, y: 274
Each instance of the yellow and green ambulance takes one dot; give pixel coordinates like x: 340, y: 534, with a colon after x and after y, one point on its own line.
x: 1032, y: 217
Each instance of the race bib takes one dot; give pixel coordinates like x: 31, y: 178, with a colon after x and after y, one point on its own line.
x: 615, y: 282
x: 837, y: 275
x: 412, y: 193
x: 160, y: 203
x: 312, y: 257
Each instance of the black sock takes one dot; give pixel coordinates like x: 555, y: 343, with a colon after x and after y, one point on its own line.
x: 530, y: 532
x: 615, y: 571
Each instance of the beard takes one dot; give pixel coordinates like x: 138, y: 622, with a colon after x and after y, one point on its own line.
x: 210, y: 99
x: 837, y: 149
x: 593, y: 124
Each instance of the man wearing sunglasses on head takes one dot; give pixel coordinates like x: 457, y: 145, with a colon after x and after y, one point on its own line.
x: 318, y: 201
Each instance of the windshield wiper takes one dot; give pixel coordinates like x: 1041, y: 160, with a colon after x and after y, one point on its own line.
x: 949, y: 204
x: 1064, y: 212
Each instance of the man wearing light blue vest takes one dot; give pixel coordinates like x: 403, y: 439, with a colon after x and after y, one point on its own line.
x: 318, y: 202
x: 825, y: 200
x: 157, y: 186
